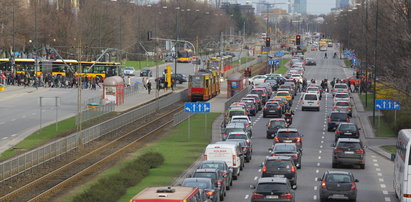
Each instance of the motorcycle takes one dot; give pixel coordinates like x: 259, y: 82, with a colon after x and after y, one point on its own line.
x: 289, y: 118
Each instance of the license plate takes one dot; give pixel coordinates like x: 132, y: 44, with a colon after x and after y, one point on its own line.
x: 348, y: 152
x: 278, y: 175
x: 272, y: 196
x: 347, y: 133
x: 272, y: 110
x: 338, y: 196
x: 310, y: 102
x: 287, y: 141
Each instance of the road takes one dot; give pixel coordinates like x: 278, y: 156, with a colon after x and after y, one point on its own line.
x: 375, y: 181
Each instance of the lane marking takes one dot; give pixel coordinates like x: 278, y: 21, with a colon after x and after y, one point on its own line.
x: 373, y: 156
x: 322, y: 137
x: 319, y: 151
x: 14, y: 135
x: 322, y: 142
x: 246, y: 196
x: 255, y: 178
x: 375, y: 160
x: 323, y: 133
x: 5, y: 138
x: 376, y: 165
x: 387, y: 199
x: 319, y: 157
x: 318, y: 164
x: 384, y: 192
x: 315, y: 197
x: 381, y: 179
x: 24, y: 116
x: 315, y: 187
x: 379, y: 174
x: 317, y: 171
x: 259, y: 170
x: 383, y: 185
x: 321, y: 146
x: 13, y: 120
x: 378, y: 169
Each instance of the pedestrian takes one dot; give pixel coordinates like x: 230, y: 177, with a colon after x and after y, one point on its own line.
x: 172, y: 84
x: 165, y: 85
x: 149, y: 86
x: 352, y: 87
x: 128, y: 81
x: 144, y: 82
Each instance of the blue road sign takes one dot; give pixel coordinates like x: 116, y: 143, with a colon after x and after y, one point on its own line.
x: 387, y: 104
x: 279, y: 54
x: 197, y: 107
x: 273, y: 62
x: 277, y: 62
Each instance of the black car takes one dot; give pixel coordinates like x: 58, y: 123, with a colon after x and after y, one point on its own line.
x: 215, y: 175
x: 348, y: 151
x: 178, y: 78
x: 280, y: 166
x: 222, y: 166
x: 205, y: 184
x: 261, y: 93
x: 335, y: 118
x: 146, y: 72
x: 273, y: 189
x: 252, y: 107
x: 273, y: 125
x: 244, y: 147
x: 337, y: 184
x: 289, y: 135
x: 287, y: 149
x: 347, y: 130
x: 272, y: 108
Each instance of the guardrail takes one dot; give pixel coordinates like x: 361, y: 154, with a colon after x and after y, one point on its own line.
x: 94, y: 112
x: 51, y: 151
x: 237, y: 97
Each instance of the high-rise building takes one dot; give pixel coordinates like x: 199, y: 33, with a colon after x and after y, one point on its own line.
x: 340, y: 4
x: 300, y: 6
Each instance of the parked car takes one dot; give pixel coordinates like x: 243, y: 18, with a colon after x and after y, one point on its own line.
x: 169, y: 58
x: 206, y: 185
x: 146, y: 72
x: 287, y: 149
x: 129, y: 71
x: 274, y: 125
x: 280, y: 166
x: 224, y: 169
x: 272, y: 189
x: 348, y: 151
x: 338, y: 184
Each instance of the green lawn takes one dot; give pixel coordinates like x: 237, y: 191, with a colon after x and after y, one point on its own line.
x: 370, y: 101
x: 382, y: 128
x: 243, y: 60
x: 389, y: 148
x: 347, y: 62
x: 40, y: 137
x: 283, y: 69
x: 141, y: 64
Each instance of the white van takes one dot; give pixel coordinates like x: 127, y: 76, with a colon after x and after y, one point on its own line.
x: 402, y: 166
x: 310, y: 101
x: 229, y: 153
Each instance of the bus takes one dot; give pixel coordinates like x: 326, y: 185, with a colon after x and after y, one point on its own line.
x: 64, y: 67
x: 200, y: 86
x: 100, y: 70
x: 184, y: 56
x: 402, y: 166
x: 170, y: 194
x: 21, y: 66
x: 220, y: 63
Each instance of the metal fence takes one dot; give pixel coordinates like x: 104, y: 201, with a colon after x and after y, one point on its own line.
x: 180, y: 117
x: 26, y: 161
x: 94, y: 112
x: 237, y: 97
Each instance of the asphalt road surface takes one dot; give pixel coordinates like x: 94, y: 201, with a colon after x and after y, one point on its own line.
x: 375, y: 181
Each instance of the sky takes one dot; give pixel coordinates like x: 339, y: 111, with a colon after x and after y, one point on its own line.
x: 320, y: 6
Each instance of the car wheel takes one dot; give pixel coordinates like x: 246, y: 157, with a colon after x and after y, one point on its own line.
x: 234, y: 178
x: 318, y: 109
x: 180, y: 82
x: 231, y: 183
x: 241, y: 168
x: 362, y: 166
x: 302, y: 108
x: 329, y: 129
x: 264, y: 116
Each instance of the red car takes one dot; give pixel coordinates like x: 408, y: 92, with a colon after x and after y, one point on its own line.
x: 353, y: 80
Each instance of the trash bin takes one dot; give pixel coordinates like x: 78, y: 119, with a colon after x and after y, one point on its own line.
x: 2, y: 87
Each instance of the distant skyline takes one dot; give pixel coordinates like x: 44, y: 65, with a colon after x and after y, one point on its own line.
x: 315, y: 7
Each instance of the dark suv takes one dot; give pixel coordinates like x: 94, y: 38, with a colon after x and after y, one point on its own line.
x: 273, y: 189
x: 289, y: 135
x: 336, y: 118
x: 348, y: 151
x: 215, y: 175
x: 272, y: 108
x: 274, y: 125
x: 205, y: 184
x: 262, y: 93
x: 287, y: 149
x: 347, y: 130
x: 245, y: 148
x: 222, y: 166
x: 280, y: 166
x: 337, y: 184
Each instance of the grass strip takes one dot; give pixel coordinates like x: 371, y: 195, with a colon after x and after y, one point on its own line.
x: 283, y: 69
x: 347, y: 62
x: 243, y: 60
x: 370, y: 101
x: 381, y: 127
x: 389, y: 148
x: 141, y: 64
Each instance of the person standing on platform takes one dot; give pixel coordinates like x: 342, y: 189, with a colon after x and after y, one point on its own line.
x: 149, y: 86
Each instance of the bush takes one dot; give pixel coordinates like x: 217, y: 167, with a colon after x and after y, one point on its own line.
x: 111, y: 188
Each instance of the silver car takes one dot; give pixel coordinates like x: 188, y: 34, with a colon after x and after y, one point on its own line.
x: 342, y: 97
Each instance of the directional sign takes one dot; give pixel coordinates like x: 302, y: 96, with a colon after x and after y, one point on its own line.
x: 279, y: 54
x: 277, y: 62
x: 197, y: 107
x: 273, y: 62
x: 387, y: 104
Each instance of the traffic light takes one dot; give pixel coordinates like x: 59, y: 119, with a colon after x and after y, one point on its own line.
x: 297, y: 40
x: 249, y: 71
x: 267, y: 41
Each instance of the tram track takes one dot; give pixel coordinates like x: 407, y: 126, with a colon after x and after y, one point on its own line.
x: 50, y: 184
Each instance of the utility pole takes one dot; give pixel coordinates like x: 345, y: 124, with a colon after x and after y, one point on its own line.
x: 366, y: 53
x: 175, y: 44
x: 375, y: 61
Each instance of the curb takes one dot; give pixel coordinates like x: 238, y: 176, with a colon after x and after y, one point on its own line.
x: 380, y: 152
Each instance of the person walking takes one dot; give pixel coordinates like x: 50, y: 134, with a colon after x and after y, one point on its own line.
x: 149, y: 86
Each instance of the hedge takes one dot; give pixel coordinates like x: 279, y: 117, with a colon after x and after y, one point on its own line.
x: 111, y: 188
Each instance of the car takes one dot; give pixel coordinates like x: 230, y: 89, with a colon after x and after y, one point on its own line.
x: 230, y: 153
x: 342, y: 97
x: 262, y: 92
x: 289, y: 135
x: 206, y: 185
x: 287, y: 149
x: 234, y: 112
x: 338, y: 184
x: 310, y: 61
x: 241, y: 136
x: 169, y: 58
x: 353, y: 80
x: 297, y: 77
x: 280, y: 166
x: 129, y: 71
x: 242, y: 118
x: 179, y: 78
x: 234, y: 127
x: 283, y: 103
x: 245, y: 148
x: 267, y: 87
x: 222, y: 166
x: 340, y: 88
x: 286, y: 95
x: 257, y: 79
x: 215, y: 175
x: 257, y: 99
x: 343, y: 106
x: 241, y: 152
x: 240, y: 105
x: 272, y: 108
x: 273, y: 83
x: 314, y: 89
x: 310, y: 101
x: 347, y: 130
x: 335, y: 118
x: 272, y: 189
x: 289, y: 89
x: 348, y: 151
x: 252, y: 107
x: 274, y: 125
x: 146, y: 72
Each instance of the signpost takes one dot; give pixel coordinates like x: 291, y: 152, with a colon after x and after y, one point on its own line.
x: 273, y: 62
x: 197, y: 107
x: 388, y: 105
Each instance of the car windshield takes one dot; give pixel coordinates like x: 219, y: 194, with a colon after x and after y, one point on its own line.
x: 338, y: 178
x: 272, y: 106
x: 128, y: 68
x: 282, y: 94
x: 310, y: 97
x: 201, y: 185
x: 272, y: 187
x: 205, y: 175
x: 342, y: 96
x: 259, y: 92
x: 240, y: 119
x: 237, y: 136
x: 312, y: 89
x: 349, y: 145
x: 274, y: 124
x: 278, y: 164
x: 342, y: 104
x: 339, y: 116
x: 287, y: 134
x: 220, y: 166
x: 340, y: 86
x: 230, y: 130
x: 284, y: 148
x: 235, y: 113
x: 348, y: 127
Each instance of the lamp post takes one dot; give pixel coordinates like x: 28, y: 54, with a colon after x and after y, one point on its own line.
x: 175, y: 44
x: 375, y: 61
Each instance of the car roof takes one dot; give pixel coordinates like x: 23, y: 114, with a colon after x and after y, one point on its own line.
x: 206, y: 170
x: 272, y: 179
x: 348, y: 140
x: 235, y: 125
x: 197, y: 179
x: 288, y: 130
x: 240, y: 116
x: 282, y: 92
x: 212, y: 161
x: 277, y: 119
x: 338, y: 112
x: 240, y: 132
x: 285, y: 144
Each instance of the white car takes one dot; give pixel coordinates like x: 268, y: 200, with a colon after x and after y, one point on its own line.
x: 297, y: 77
x: 258, y: 79
x: 314, y: 89
x: 342, y: 97
x: 310, y: 101
x: 129, y: 71
x: 242, y: 118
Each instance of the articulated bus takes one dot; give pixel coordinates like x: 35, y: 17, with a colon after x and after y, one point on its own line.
x: 184, y: 56
x: 99, y: 69
x: 402, y: 166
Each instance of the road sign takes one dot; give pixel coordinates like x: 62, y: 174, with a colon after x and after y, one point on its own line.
x: 197, y: 107
x: 273, y: 62
x: 279, y: 54
x: 277, y: 62
x: 387, y: 104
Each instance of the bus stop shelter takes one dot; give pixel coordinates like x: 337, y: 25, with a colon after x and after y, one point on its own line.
x: 113, y: 90
x: 235, y: 83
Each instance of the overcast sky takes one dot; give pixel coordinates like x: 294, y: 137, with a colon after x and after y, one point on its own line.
x: 320, y: 6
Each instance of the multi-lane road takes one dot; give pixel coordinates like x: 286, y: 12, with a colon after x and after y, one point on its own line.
x: 375, y: 181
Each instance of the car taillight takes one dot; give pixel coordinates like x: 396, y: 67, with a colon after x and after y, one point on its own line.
x: 295, y: 155
x: 225, y: 175
x: 298, y: 139
x: 244, y: 148
x: 323, y: 185
x: 335, y: 107
x: 205, y: 157
x: 219, y: 182
x: 318, y: 102
x: 273, y: 154
x: 407, y: 195
x: 264, y: 169
x: 353, y: 185
x: 265, y: 107
x: 278, y: 107
x: 302, y: 102
x: 292, y: 169
x: 234, y: 160
x: 329, y: 119
x: 264, y: 94
x: 338, y: 132
x: 210, y: 193
x: 225, y: 135
x: 347, y: 119
x: 338, y: 150
x: 257, y: 196
x: 252, y: 107
x: 359, y: 151
x: 247, y: 124
x: 287, y: 196
x: 276, y: 139
x: 333, y: 89
x: 349, y: 107
x: 248, y: 142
